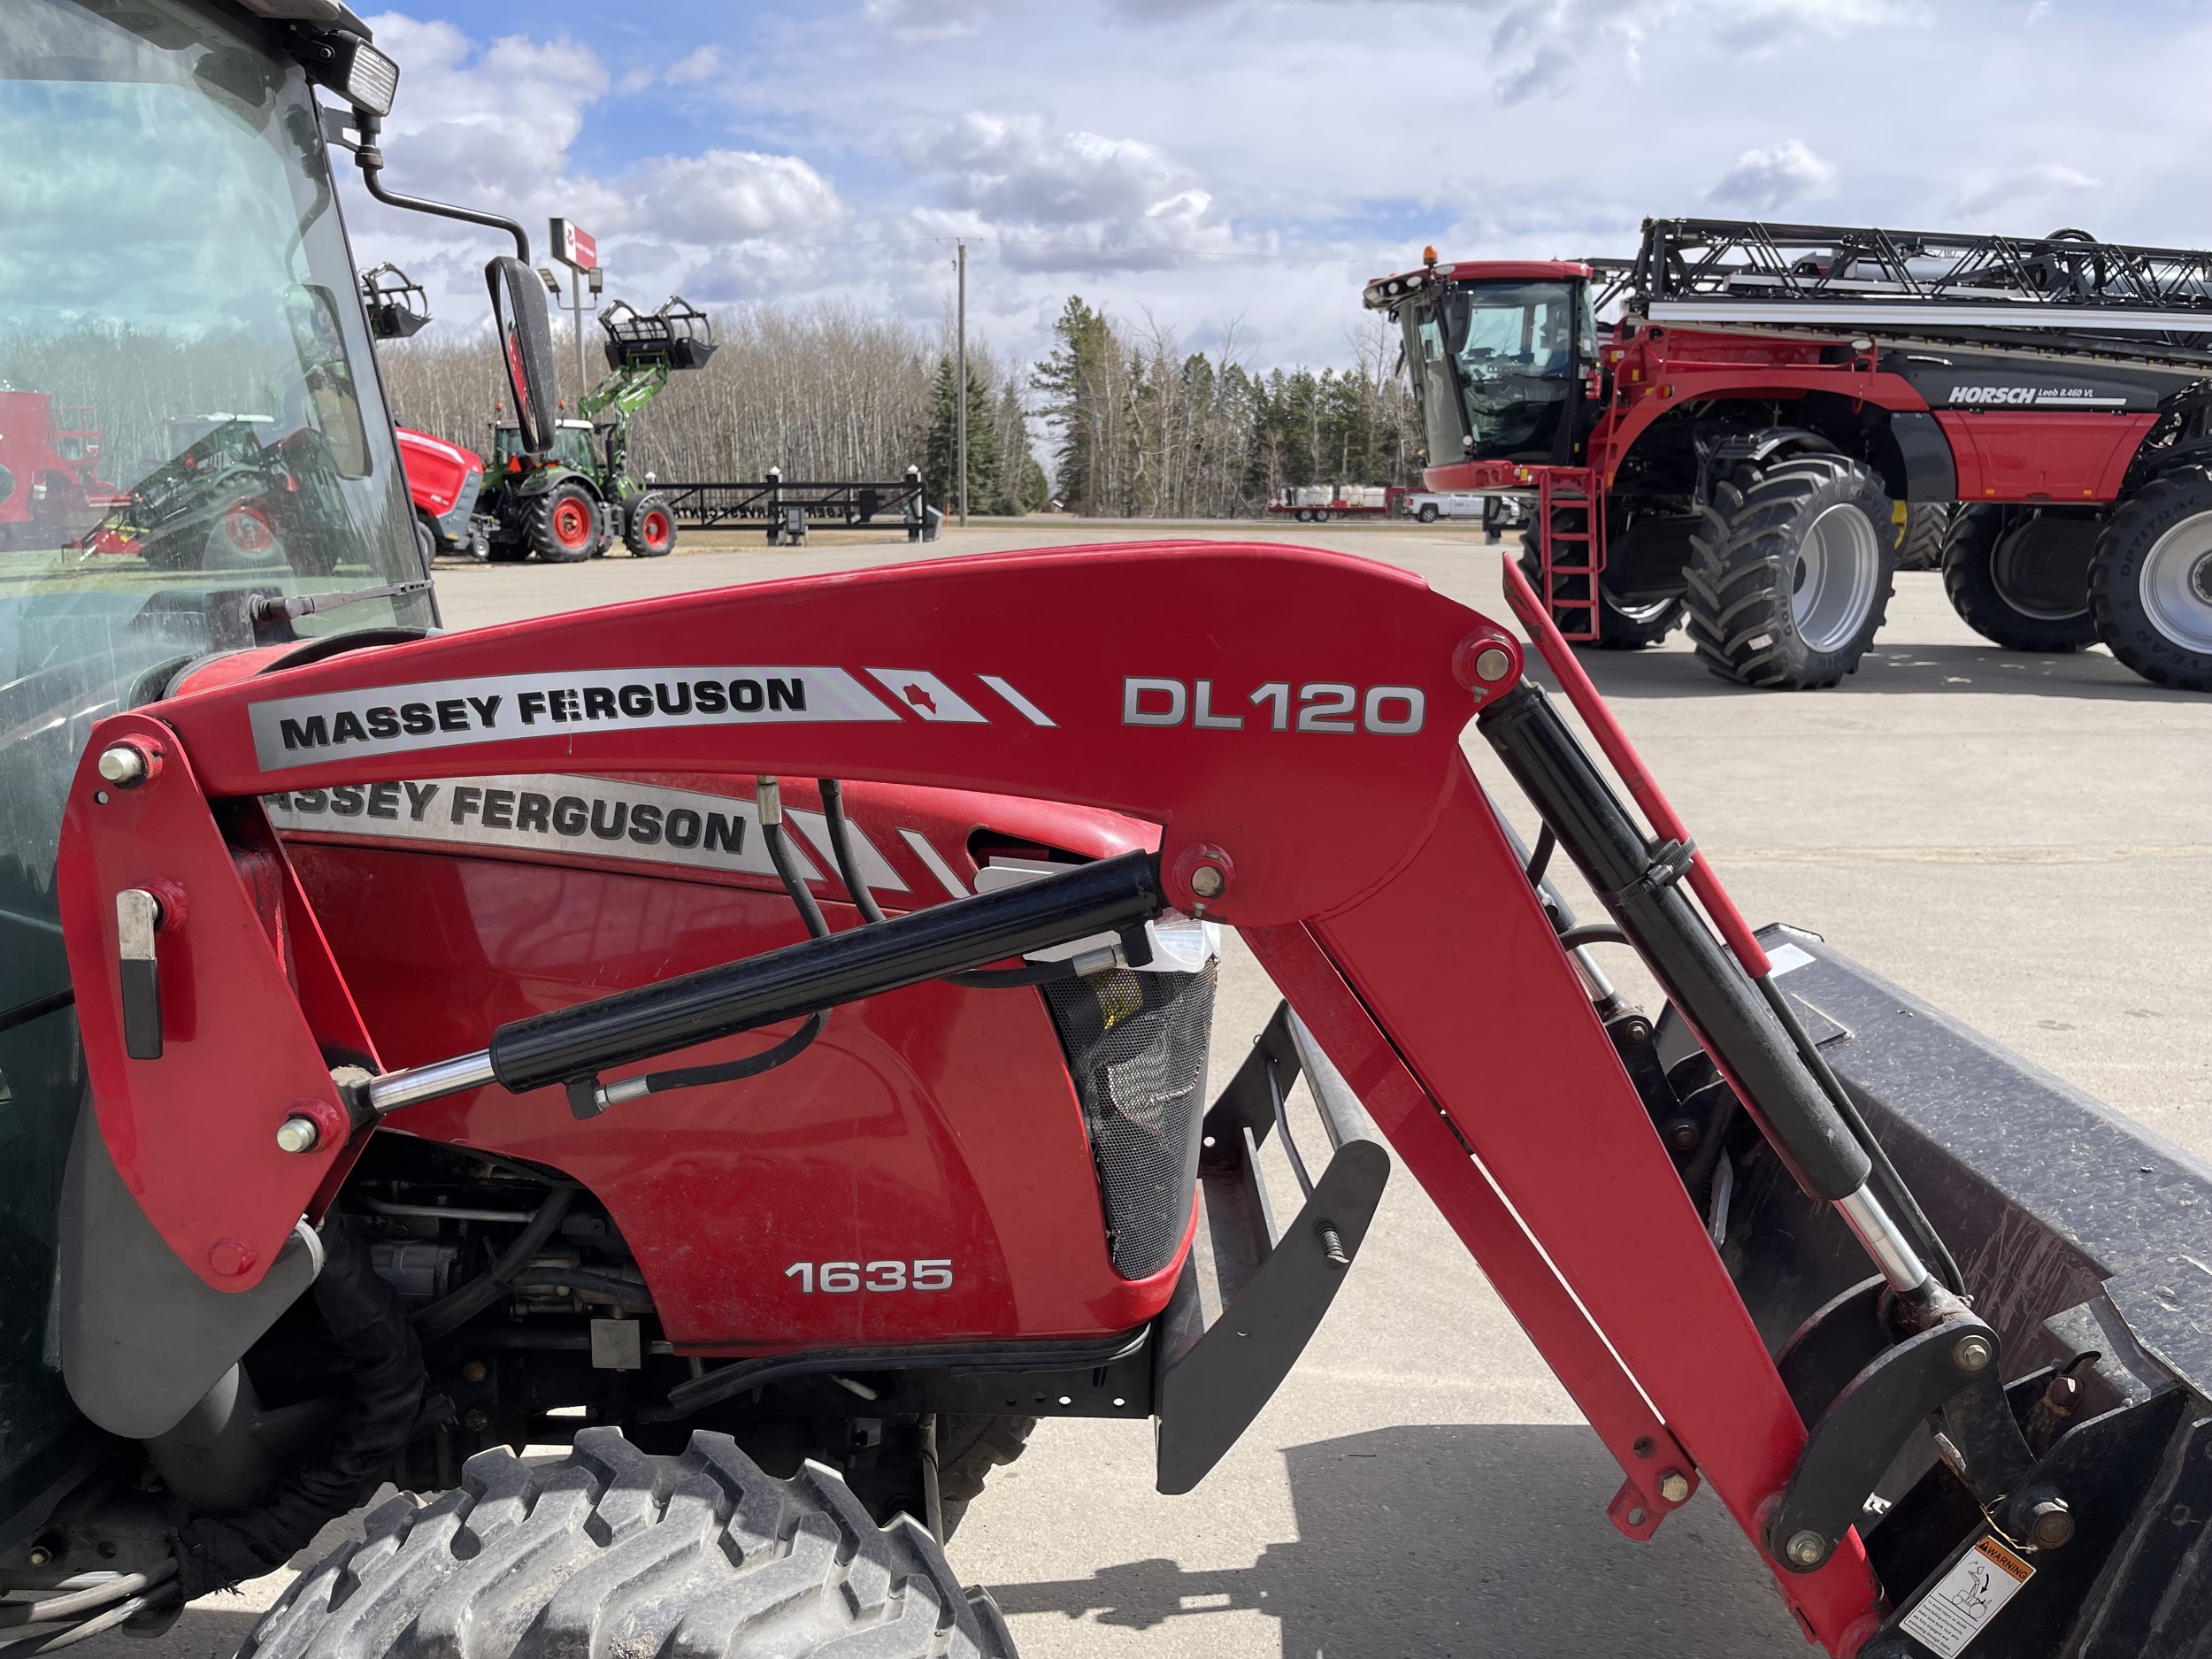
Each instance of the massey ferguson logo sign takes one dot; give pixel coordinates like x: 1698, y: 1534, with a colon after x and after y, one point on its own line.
x: 2032, y: 397
x: 386, y: 720
x: 292, y: 732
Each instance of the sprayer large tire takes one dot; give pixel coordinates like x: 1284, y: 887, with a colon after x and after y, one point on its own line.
x: 2150, y: 586
x: 2021, y: 580
x: 1927, y: 528
x: 561, y: 525
x: 1790, y: 571
x: 613, y: 1551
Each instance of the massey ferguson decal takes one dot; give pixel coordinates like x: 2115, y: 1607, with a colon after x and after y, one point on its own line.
x: 386, y: 720
x: 546, y: 813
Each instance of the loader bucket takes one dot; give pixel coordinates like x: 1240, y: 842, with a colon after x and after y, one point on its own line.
x: 678, y: 335
x: 2086, y: 1242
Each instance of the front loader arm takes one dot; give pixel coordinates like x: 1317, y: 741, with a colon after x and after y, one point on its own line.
x: 1291, y: 718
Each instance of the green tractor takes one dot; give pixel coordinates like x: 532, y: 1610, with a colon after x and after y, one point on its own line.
x: 572, y: 505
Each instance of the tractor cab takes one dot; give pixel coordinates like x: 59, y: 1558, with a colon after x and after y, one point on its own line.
x: 175, y: 263
x: 1503, y: 358
x: 572, y: 448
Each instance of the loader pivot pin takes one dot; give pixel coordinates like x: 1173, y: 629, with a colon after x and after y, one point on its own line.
x: 1806, y: 1549
x: 298, y: 1135
x: 126, y: 765
x: 1972, y: 1354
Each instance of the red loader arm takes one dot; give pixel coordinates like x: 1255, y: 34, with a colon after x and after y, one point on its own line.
x: 1292, y: 719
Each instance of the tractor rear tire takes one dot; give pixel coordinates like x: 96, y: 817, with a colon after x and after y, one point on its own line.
x: 2150, y: 586
x: 651, y: 531
x: 1926, y: 528
x: 1791, y: 571
x: 562, y: 525
x: 2020, y: 580
x: 613, y: 1551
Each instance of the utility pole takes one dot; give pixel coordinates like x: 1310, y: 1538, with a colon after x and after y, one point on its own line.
x: 960, y: 377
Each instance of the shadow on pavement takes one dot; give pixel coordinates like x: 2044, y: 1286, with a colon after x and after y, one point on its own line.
x: 1921, y: 669
x: 1459, y: 1541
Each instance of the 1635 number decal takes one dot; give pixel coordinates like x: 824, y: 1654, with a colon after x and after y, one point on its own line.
x: 844, y: 1278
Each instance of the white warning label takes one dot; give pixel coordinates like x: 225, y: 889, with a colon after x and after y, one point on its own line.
x: 1966, y: 1598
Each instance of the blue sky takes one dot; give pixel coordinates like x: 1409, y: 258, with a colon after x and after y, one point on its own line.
x: 1234, y: 169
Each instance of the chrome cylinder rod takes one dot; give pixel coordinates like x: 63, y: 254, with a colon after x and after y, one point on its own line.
x: 1891, y: 1250
x: 415, y: 1084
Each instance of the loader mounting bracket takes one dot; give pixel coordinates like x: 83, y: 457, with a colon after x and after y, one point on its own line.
x: 1271, y: 1290
x: 1866, y: 1425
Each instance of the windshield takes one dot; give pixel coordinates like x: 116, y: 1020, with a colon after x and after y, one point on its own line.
x: 190, y: 415
x: 1496, y: 364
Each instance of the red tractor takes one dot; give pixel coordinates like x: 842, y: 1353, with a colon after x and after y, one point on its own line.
x: 1749, y: 444
x: 443, y: 481
x: 759, y: 1038
x: 51, y: 487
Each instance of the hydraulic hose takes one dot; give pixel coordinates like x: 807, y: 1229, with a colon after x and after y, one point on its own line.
x: 1641, y: 892
x: 365, y: 1316
x: 449, y: 1313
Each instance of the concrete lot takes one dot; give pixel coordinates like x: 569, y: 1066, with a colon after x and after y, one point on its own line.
x: 2026, y: 841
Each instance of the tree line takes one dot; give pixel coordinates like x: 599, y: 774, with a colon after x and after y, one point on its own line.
x: 1134, y: 426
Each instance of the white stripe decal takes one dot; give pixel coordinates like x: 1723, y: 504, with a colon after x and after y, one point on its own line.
x: 920, y: 692
x: 938, y: 867
x: 1030, y: 711
x: 291, y: 732
x: 875, y: 869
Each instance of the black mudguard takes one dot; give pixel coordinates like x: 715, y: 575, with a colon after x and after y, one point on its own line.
x: 142, y: 1336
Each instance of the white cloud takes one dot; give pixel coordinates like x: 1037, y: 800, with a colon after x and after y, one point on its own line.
x: 934, y: 19
x: 492, y: 126
x: 693, y: 67
x: 2026, y: 187
x: 1766, y: 181
x: 728, y: 195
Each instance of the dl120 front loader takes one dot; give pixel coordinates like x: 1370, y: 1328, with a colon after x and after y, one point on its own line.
x: 771, y: 1023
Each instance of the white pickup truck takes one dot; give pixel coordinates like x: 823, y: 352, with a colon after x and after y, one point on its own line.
x: 1497, y: 512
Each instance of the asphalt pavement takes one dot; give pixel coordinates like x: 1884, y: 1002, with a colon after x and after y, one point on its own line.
x: 2025, y: 841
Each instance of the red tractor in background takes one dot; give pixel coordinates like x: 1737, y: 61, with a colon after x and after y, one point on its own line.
x: 443, y: 481
x: 50, y: 469
x: 1747, y: 445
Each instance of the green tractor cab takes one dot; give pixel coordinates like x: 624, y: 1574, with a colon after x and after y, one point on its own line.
x: 572, y: 502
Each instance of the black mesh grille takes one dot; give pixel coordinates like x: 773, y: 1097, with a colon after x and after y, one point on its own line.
x: 1136, y: 1045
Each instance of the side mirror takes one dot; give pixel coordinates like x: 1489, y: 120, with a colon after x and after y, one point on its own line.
x: 525, y: 343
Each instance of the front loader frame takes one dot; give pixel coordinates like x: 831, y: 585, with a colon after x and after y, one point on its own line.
x: 1291, y: 721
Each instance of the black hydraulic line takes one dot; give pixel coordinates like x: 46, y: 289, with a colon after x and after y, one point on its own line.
x: 627, y: 1294
x: 455, y: 1309
x: 1539, y: 861
x: 841, y: 849
x: 365, y: 1318
x: 819, y: 974
x: 37, y: 1008
x: 778, y: 847
x: 1594, y: 933
x: 370, y: 159
x: 1640, y: 889
x: 803, y: 900
x: 1894, y: 1189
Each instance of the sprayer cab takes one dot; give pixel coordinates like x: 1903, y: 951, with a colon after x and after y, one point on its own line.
x: 1503, y: 357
